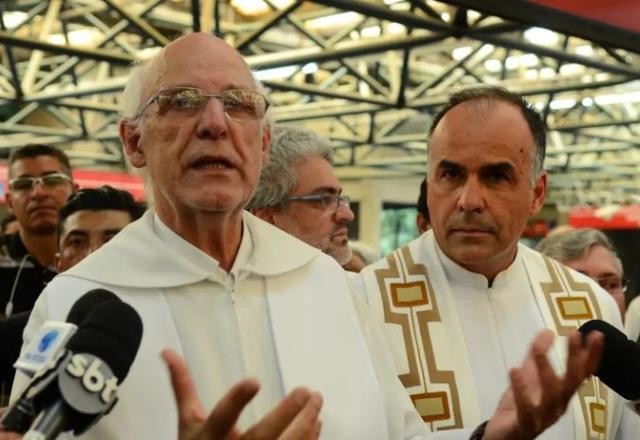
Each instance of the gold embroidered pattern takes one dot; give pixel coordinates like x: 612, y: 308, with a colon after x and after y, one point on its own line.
x: 572, y: 302
x: 408, y: 300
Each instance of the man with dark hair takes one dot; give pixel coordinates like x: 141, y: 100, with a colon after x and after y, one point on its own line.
x: 90, y: 218
x: 39, y: 184
x: 423, y: 223
x: 462, y: 300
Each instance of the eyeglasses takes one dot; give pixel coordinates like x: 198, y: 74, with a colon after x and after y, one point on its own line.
x: 244, y: 105
x: 325, y: 200
x: 48, y: 181
x: 613, y: 284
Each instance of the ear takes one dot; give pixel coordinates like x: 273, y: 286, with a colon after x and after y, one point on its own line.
x: 539, y: 193
x: 266, y: 144
x: 9, y: 202
x: 266, y: 214
x: 57, y: 262
x: 130, y: 137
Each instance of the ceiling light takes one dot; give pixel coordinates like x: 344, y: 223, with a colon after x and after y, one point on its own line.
x: 257, y: 7
x: 276, y: 73
x: 541, y: 36
x: 13, y: 19
x: 460, y: 52
x: 493, y: 65
x: 370, y: 32
x: 561, y: 104
x: 585, y: 50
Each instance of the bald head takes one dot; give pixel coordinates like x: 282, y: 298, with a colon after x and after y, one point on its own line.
x: 198, y: 50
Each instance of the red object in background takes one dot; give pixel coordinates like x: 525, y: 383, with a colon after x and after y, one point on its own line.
x: 92, y: 179
x: 618, y: 13
x: 625, y: 217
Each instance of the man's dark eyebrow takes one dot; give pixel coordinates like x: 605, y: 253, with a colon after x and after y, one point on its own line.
x: 505, y: 167
x: 76, y: 232
x: 444, y: 163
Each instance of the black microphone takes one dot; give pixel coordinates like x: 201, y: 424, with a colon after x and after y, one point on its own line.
x: 82, y: 386
x: 45, y: 349
x: 87, y: 302
x: 619, y: 367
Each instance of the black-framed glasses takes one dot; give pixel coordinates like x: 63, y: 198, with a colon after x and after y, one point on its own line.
x: 613, y: 283
x: 243, y: 105
x: 26, y: 183
x: 325, y: 200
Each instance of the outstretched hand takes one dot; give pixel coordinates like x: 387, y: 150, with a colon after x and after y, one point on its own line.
x: 296, y: 417
x: 537, y: 396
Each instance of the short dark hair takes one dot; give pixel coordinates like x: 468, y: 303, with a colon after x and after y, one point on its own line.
x: 98, y: 199
x: 421, y: 204
x: 35, y: 150
x: 534, y: 120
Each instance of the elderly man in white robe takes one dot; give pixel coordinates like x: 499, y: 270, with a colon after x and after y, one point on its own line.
x: 462, y: 301
x: 237, y: 297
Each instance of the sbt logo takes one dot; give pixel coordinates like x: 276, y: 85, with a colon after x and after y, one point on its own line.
x: 95, y: 375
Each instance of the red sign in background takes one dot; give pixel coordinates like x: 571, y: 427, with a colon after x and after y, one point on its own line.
x: 619, y: 13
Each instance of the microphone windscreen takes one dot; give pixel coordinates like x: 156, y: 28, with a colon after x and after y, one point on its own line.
x: 112, y: 332
x: 619, y: 368
x: 86, y: 303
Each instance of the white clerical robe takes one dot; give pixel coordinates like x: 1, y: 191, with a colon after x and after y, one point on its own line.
x: 283, y: 314
x: 454, y: 337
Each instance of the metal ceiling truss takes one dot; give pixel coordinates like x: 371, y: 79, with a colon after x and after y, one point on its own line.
x: 369, y: 75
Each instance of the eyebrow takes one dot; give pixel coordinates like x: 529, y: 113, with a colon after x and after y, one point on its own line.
x: 326, y: 189
x: 500, y: 166
x: 46, y: 173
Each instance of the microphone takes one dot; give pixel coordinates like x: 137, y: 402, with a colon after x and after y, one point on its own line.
x: 44, y: 350
x: 53, y: 335
x: 619, y: 368
x: 82, y: 386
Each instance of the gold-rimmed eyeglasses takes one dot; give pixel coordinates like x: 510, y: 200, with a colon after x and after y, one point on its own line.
x: 237, y: 104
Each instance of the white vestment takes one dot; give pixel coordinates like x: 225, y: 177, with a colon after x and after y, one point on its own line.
x: 283, y: 314
x: 454, y: 337
x: 632, y: 319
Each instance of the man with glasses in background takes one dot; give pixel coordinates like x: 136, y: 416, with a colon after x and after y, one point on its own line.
x: 299, y: 193
x: 39, y: 184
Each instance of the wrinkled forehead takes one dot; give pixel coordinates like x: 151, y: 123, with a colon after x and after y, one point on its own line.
x: 203, y: 61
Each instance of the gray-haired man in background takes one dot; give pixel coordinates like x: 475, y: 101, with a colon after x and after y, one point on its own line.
x: 300, y: 194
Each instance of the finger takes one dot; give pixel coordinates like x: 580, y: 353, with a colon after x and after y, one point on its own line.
x: 10, y: 436
x: 583, y: 360
x: 524, y: 404
x: 594, y: 351
x: 189, y: 406
x: 306, y: 424
x: 550, y: 387
x: 222, y: 420
x: 274, y: 423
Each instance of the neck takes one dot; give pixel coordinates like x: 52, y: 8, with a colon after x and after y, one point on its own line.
x: 41, y: 247
x: 216, y: 234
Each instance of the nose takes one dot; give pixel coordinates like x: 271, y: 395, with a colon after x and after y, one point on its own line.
x: 344, y: 214
x: 38, y: 189
x: 213, y: 122
x: 471, y: 197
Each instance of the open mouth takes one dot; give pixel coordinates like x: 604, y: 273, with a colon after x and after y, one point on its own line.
x: 210, y: 163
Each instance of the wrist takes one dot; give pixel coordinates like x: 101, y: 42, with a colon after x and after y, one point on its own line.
x: 478, y: 433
